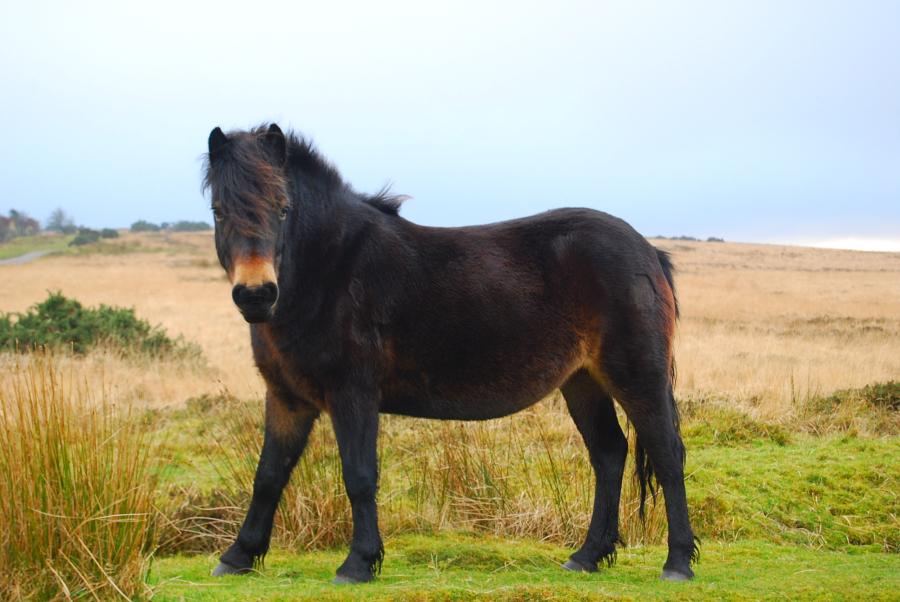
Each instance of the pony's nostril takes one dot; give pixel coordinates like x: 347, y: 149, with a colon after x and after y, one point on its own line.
x: 237, y: 293
x: 269, y: 292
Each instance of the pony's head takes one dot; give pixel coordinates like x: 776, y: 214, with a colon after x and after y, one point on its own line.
x: 250, y: 204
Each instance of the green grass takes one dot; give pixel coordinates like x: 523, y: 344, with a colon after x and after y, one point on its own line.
x: 782, y: 514
x: 458, y: 567
x: 745, y: 480
x: 27, y: 244
x: 830, y: 491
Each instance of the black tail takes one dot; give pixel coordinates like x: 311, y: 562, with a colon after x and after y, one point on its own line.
x: 665, y: 262
x: 643, y: 467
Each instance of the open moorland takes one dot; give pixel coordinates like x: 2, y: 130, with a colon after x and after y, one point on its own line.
x: 788, y: 369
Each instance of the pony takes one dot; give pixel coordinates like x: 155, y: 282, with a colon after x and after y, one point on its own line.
x: 355, y: 311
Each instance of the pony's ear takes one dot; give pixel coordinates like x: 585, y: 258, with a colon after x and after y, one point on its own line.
x: 217, y: 141
x: 276, y: 144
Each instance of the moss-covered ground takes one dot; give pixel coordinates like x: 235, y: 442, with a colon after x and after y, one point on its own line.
x: 458, y: 567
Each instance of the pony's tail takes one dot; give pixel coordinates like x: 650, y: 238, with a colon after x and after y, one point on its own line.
x: 665, y: 262
x: 643, y: 467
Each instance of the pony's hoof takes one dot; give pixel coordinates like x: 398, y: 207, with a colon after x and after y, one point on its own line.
x: 350, y: 580
x: 573, y: 565
x: 673, y: 575
x: 227, y: 569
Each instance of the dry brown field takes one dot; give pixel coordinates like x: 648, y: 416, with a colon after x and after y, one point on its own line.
x: 777, y: 467
x: 763, y: 326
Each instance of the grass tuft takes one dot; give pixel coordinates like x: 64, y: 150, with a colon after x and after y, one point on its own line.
x: 76, y: 492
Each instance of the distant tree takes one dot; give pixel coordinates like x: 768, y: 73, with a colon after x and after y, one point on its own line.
x: 714, y: 239
x: 22, y: 225
x: 6, y: 230
x: 60, y: 221
x: 165, y: 225
x: 186, y: 226
x: 109, y: 233
x: 144, y: 226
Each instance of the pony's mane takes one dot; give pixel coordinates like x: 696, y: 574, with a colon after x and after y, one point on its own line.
x: 249, y: 184
x: 386, y: 201
x: 303, y: 154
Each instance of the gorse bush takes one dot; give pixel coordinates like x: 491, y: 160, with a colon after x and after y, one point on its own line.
x: 76, y: 491
x: 187, y: 226
x: 144, y: 226
x: 59, y: 322
x: 85, y: 236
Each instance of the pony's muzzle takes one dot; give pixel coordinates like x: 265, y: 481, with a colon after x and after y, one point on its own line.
x: 255, y: 302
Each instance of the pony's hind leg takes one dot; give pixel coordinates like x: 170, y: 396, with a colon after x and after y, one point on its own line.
x: 649, y: 403
x: 594, y: 414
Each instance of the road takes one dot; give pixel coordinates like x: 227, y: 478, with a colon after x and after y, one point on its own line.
x: 22, y: 259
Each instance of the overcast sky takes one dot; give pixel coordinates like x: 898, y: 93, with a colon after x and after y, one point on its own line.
x: 757, y: 121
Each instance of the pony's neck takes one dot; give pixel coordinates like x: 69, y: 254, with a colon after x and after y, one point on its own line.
x: 324, y: 220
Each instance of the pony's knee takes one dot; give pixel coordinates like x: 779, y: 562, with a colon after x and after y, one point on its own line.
x: 361, y: 485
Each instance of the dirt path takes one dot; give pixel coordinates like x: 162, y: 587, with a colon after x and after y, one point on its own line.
x: 22, y: 259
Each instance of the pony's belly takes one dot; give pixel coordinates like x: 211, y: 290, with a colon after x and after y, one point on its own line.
x: 470, y: 401
x: 457, y: 409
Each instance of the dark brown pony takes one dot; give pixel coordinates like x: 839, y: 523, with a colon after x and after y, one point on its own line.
x: 355, y: 311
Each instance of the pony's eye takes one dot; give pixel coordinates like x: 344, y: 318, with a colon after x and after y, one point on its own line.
x: 283, y: 215
x: 218, y: 215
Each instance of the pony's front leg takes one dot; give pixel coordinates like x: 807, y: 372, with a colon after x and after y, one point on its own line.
x: 287, y: 431
x: 354, y: 414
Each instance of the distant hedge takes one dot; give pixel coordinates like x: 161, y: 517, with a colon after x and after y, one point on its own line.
x: 85, y: 236
x: 59, y: 322
x: 186, y: 226
x: 144, y: 226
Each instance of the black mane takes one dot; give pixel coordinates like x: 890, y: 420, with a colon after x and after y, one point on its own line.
x: 303, y: 155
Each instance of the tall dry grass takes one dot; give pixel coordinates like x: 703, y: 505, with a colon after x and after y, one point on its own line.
x: 76, y: 490
x: 526, y: 476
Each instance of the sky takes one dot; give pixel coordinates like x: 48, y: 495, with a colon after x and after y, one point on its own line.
x: 763, y: 120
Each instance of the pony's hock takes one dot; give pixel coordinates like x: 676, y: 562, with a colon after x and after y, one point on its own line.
x: 356, y: 311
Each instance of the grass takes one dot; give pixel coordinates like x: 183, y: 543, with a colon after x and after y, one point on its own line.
x: 460, y: 567
x: 527, y: 476
x: 27, y: 244
x: 84, y: 245
x: 788, y: 361
x: 76, y: 491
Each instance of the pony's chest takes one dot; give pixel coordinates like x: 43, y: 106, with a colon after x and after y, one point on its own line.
x: 283, y: 373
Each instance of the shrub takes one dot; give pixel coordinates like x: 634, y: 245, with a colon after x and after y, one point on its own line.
x: 185, y: 226
x: 61, y: 322
x: 109, y: 233
x: 85, y: 236
x: 144, y: 226
x: 76, y: 492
